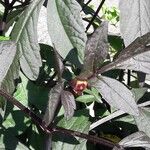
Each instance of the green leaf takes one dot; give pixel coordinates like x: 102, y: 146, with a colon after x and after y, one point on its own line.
x: 80, y: 122
x: 7, y: 54
x: 54, y: 99
x: 14, y: 124
x: 31, y: 93
x: 36, y: 138
x: 143, y: 120
x: 116, y: 42
x: 47, y: 55
x: 21, y: 93
x: 65, y: 27
x: 68, y: 102
x: 3, y: 38
x: 11, y: 143
x: 116, y: 94
x: 25, y: 34
x: 138, y: 92
x: 86, y: 98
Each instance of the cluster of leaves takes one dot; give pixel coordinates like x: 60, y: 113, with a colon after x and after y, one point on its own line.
x: 63, y: 82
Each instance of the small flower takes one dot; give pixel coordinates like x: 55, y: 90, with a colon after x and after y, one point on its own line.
x: 79, y: 85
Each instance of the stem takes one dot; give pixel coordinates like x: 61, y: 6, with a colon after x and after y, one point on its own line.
x: 49, y: 129
x: 94, y: 16
x: 121, y: 75
x: 86, y: 4
x: 85, y: 136
x: 128, y: 77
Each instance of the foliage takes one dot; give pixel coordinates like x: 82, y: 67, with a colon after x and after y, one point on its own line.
x: 73, y: 92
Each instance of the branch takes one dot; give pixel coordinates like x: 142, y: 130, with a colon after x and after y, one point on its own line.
x: 96, y: 13
x: 49, y: 130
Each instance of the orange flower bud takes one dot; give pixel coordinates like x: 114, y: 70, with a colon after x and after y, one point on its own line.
x: 78, y: 85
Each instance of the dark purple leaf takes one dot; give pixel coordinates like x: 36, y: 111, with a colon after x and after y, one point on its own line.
x: 118, y: 148
x: 96, y: 49
x: 59, y: 66
x: 139, y: 47
x: 7, y: 54
x: 68, y: 102
x: 54, y: 99
x: 143, y: 120
x: 116, y: 94
x: 138, y: 139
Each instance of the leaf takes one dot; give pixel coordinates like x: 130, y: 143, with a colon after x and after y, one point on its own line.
x: 65, y: 27
x: 116, y: 94
x: 12, y: 17
x: 54, y: 99
x: 35, y: 138
x: 139, y: 92
x: 31, y: 94
x: 116, y: 42
x: 120, y: 148
x: 21, y: 93
x: 15, y: 123
x: 68, y: 102
x: 86, y: 98
x: 138, y: 139
x: 7, y: 54
x: 25, y: 34
x: 135, y: 56
x: 137, y: 23
x: 96, y: 48
x: 79, y: 122
x: 42, y: 28
x: 139, y: 63
x: 9, y: 82
x: 59, y: 66
x: 143, y: 120
x: 132, y: 26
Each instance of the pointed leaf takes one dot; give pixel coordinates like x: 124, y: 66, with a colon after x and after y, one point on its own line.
x: 138, y: 139
x: 59, y: 66
x: 118, y: 148
x: 135, y: 56
x: 54, y: 99
x: 137, y: 23
x: 143, y: 120
x: 7, y: 54
x: 12, y: 17
x: 25, y: 34
x: 139, y: 92
x: 68, y: 102
x: 132, y: 26
x: 86, y: 98
x: 65, y: 27
x: 116, y: 94
x: 96, y: 47
x: 42, y: 29
x: 80, y: 122
x: 9, y: 83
